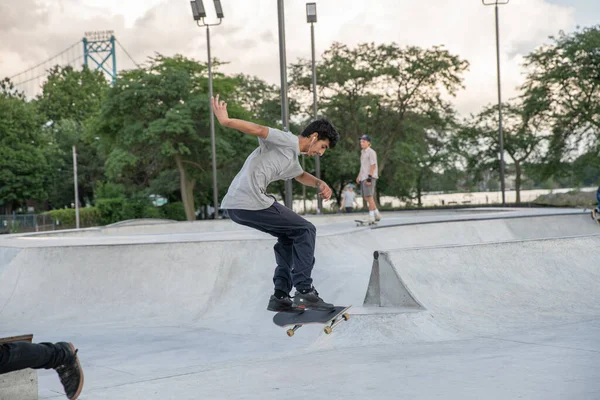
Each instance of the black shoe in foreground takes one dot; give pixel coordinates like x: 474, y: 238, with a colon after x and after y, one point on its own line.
x: 311, y: 301
x: 70, y: 373
x: 279, y: 305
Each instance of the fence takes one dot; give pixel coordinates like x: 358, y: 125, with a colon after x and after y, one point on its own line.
x: 20, y: 223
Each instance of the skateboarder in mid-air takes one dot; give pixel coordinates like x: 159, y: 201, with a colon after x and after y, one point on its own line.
x: 247, y: 203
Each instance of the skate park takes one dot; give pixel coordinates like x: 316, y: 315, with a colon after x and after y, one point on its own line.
x: 460, y: 304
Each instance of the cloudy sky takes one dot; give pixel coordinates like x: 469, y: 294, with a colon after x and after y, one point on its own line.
x: 31, y: 31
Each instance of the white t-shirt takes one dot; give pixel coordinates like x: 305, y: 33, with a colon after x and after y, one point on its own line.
x: 276, y: 158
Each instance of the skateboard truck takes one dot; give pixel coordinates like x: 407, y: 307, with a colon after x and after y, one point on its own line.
x: 328, y: 329
x: 295, y: 320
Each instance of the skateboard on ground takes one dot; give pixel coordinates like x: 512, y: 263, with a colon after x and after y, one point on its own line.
x: 298, y: 318
x: 363, y: 222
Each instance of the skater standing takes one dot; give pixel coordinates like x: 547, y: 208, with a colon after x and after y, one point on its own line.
x: 368, y: 175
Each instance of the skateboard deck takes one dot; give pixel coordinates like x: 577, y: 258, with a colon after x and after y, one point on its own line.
x: 363, y: 222
x: 298, y: 318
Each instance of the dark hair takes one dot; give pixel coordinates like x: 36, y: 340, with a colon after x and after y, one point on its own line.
x: 324, y: 129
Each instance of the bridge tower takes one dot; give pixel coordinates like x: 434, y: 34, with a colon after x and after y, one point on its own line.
x: 99, y: 47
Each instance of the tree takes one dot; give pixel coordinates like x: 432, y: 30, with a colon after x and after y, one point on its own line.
x: 156, y: 118
x: 424, y: 152
x: 22, y: 160
x: 70, y: 99
x: 522, y: 140
x: 562, y: 90
x: 375, y: 89
x: 72, y: 94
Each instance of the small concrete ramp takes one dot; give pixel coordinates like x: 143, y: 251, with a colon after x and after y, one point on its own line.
x: 386, y: 288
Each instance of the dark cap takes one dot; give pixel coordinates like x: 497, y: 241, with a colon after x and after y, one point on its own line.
x: 365, y: 137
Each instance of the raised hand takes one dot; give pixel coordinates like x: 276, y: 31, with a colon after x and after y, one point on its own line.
x: 220, y: 110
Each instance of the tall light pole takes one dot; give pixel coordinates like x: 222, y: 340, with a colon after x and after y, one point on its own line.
x: 199, y: 14
x: 311, y: 18
x: 76, y: 187
x: 500, y: 135
x: 284, y: 90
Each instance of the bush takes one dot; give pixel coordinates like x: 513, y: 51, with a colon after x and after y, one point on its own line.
x: 65, y: 218
x: 136, y: 208
x: 173, y: 211
x: 111, y: 210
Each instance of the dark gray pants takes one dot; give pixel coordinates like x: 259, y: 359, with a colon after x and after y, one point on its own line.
x: 295, y: 247
x: 20, y: 355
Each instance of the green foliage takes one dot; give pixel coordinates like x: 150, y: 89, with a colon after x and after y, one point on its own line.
x: 479, y: 144
x: 140, y: 207
x: 392, y: 93
x: 174, y: 211
x: 561, y: 91
x: 72, y: 94
x: 66, y: 218
x: 23, y: 162
x: 155, y: 119
x: 69, y: 101
x: 111, y: 210
x: 110, y: 190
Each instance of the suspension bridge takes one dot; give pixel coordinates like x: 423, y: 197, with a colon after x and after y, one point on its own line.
x: 97, y: 50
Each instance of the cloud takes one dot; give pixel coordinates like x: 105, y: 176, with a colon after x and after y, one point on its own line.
x: 248, y: 36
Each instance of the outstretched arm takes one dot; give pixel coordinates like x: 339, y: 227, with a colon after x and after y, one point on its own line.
x: 309, y: 180
x: 220, y: 109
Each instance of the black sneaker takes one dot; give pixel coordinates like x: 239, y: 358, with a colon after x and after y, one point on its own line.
x: 70, y: 373
x: 279, y: 305
x: 311, y: 300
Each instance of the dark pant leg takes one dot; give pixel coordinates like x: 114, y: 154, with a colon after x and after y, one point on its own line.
x: 598, y: 198
x: 287, y: 226
x: 20, y: 355
x: 284, y: 253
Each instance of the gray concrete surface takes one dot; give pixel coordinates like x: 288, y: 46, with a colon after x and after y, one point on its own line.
x: 509, y: 309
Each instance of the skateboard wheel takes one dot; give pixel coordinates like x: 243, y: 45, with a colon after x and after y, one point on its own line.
x: 327, y: 330
x: 346, y: 316
x: 290, y: 332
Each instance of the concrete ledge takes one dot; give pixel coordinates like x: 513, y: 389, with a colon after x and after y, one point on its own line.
x: 19, y: 385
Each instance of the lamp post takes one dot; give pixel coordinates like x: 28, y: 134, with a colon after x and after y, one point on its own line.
x: 495, y: 3
x: 76, y: 187
x: 285, y: 119
x: 199, y: 14
x: 311, y: 18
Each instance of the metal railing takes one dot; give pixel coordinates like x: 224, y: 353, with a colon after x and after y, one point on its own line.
x: 21, y: 223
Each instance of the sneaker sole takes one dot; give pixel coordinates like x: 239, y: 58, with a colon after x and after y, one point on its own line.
x: 80, y: 387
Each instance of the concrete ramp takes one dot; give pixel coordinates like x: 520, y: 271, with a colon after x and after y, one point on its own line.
x: 466, y: 291
x: 179, y: 314
x: 386, y: 288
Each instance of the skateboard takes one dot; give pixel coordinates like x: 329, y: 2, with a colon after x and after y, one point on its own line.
x: 298, y: 318
x: 363, y: 222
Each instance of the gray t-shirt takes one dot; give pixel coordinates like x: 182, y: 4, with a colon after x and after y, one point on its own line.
x: 368, y: 157
x: 349, y: 198
x: 276, y: 158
